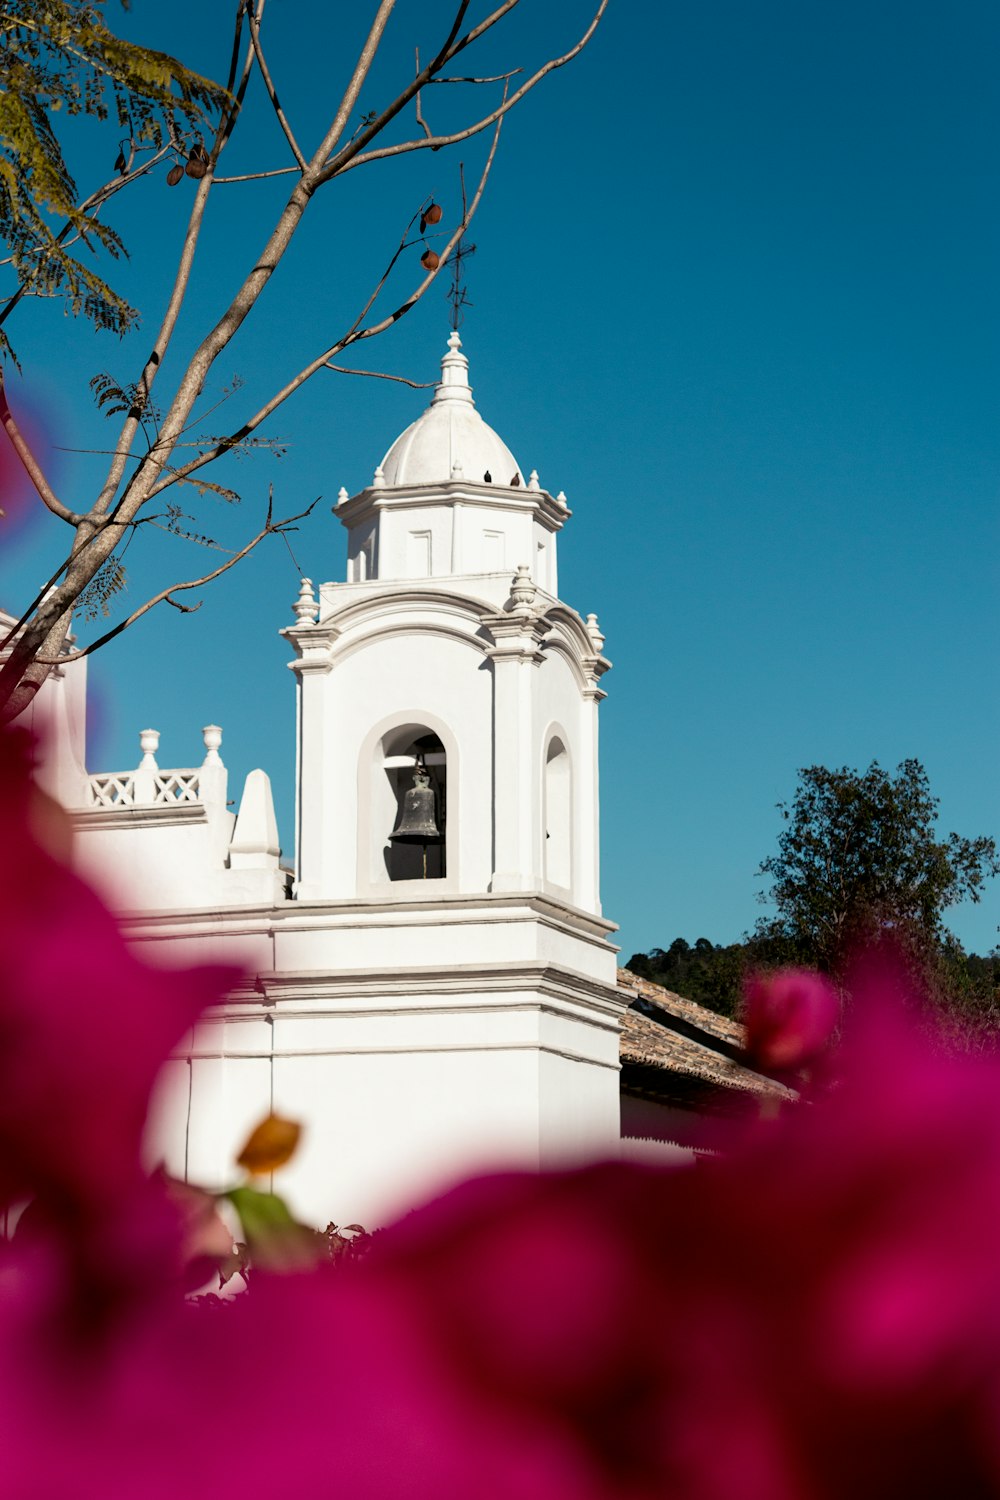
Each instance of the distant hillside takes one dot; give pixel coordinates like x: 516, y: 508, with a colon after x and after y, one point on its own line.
x: 965, y: 986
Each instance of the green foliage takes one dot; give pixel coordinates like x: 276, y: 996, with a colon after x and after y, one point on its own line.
x: 710, y: 974
x: 964, y: 987
x: 109, y: 580
x: 275, y: 1240
x: 59, y: 56
x: 966, y: 990
x: 113, y: 398
x: 859, y: 856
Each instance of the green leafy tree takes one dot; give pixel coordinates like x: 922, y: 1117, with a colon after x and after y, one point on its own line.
x: 859, y: 856
x: 60, y: 59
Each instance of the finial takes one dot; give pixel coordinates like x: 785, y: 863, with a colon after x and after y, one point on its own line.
x: 149, y: 743
x: 304, y: 608
x: 342, y: 495
x: 561, y: 500
x: 533, y: 480
x: 594, y: 631
x: 457, y: 472
x: 212, y: 736
x: 454, y: 383
x: 378, y: 483
x: 522, y: 590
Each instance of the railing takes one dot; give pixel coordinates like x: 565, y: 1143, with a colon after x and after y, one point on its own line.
x: 148, y: 786
x: 139, y: 789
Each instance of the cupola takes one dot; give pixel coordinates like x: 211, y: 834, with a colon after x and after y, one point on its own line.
x: 449, y: 500
x: 450, y: 440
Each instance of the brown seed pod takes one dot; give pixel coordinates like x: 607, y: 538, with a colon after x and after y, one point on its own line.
x: 197, y: 163
x: 430, y: 260
x: 433, y: 213
x: 174, y: 175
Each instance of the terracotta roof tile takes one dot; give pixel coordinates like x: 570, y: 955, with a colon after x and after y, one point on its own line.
x: 664, y: 1031
x: 717, y: 1026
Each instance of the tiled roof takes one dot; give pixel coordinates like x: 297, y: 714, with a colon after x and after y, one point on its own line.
x: 668, y: 1033
x: 720, y: 1027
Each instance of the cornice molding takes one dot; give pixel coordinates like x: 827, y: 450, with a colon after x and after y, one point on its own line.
x: 368, y: 502
x: 606, y: 1002
x: 443, y: 910
x: 313, y: 645
x: 159, y: 815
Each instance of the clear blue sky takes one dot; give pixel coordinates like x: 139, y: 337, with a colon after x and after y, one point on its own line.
x: 736, y: 292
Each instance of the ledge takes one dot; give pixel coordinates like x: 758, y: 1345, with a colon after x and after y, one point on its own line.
x: 434, y: 910
x: 144, y: 815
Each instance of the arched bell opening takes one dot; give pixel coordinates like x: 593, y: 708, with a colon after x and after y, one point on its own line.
x: 415, y: 771
x: 557, y: 857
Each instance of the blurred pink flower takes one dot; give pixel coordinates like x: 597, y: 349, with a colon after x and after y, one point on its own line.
x: 789, y: 1016
x: 20, y: 507
x: 816, y: 1316
x: 85, y: 1028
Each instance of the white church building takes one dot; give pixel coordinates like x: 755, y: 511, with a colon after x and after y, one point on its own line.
x: 433, y: 988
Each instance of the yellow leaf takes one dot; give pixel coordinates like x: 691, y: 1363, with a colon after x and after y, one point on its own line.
x: 270, y: 1145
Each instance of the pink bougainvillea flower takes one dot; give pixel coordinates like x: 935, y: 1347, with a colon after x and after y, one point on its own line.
x: 85, y: 1025
x: 816, y: 1316
x: 789, y: 1016
x: 813, y: 1317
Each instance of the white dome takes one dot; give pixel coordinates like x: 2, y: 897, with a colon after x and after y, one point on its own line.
x: 450, y: 440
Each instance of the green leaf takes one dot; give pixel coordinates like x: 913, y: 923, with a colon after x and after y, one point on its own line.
x: 276, y: 1241
x: 59, y: 57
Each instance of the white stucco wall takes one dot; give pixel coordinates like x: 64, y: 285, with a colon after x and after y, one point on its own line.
x: 416, y: 1044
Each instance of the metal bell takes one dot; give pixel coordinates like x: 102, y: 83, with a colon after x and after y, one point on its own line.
x: 418, y: 819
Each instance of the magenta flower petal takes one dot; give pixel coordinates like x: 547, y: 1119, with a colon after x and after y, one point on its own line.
x: 789, y: 1016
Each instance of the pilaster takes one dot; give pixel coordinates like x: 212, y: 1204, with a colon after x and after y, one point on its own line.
x: 517, y: 638
x: 588, y: 872
x: 313, y: 644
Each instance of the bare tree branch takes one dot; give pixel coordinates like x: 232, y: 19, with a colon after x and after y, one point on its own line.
x: 256, y: 176
x: 254, y: 26
x: 32, y: 467
x: 101, y: 195
x: 449, y: 50
x: 418, y: 385
x: 192, y: 382
x: 181, y: 279
x: 420, y: 116
x: 496, y: 78
x: 352, y: 336
x: 272, y: 528
x: 134, y: 478
x: 97, y: 199
x: 436, y: 142
x: 361, y: 71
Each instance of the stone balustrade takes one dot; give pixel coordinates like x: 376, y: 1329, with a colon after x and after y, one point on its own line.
x: 150, y: 786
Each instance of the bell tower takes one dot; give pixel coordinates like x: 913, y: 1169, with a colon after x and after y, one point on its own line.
x: 447, y: 865
x: 447, y: 649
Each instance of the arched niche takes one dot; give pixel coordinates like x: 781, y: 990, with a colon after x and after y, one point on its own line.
x: 394, y: 755
x: 557, y: 812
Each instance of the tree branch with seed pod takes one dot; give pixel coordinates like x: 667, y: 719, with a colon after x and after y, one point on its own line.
x: 143, y: 463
